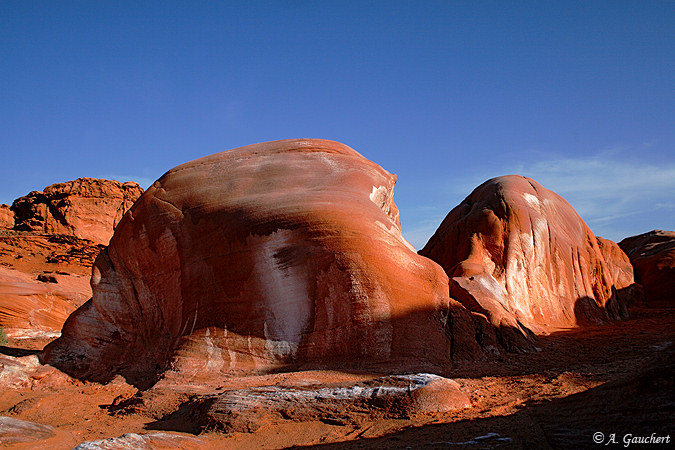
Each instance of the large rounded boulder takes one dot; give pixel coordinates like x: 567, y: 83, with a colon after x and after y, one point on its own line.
x: 521, y: 255
x: 258, y: 258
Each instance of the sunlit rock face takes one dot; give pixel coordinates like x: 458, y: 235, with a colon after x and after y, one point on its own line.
x: 251, y: 259
x: 31, y: 305
x: 521, y: 255
x: 43, y: 279
x: 653, y: 257
x: 6, y: 217
x: 87, y: 208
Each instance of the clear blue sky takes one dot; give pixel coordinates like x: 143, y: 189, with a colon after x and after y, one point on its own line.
x: 578, y: 95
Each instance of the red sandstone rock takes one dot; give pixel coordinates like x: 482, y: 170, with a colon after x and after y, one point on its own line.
x: 29, y: 304
x: 396, y: 396
x: 42, y: 280
x: 153, y: 441
x: 626, y: 291
x: 87, y: 208
x: 14, y: 431
x: 618, y: 263
x: 653, y: 257
x: 286, y: 252
x: 6, y: 217
x: 522, y: 256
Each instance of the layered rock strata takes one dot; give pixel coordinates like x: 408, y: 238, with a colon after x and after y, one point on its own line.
x: 48, y: 242
x: 87, y: 208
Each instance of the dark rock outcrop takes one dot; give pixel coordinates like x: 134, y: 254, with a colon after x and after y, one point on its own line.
x: 653, y: 257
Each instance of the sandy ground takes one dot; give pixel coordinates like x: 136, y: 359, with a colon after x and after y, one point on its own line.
x: 615, y: 378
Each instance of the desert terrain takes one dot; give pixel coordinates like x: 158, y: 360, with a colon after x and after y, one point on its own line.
x: 264, y: 298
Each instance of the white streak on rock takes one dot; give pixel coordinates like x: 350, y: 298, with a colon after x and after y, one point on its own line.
x: 214, y: 361
x: 284, y: 291
x: 532, y: 200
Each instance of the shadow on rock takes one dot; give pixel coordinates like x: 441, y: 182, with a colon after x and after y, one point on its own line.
x: 588, y: 312
x: 17, y: 352
x: 635, y: 406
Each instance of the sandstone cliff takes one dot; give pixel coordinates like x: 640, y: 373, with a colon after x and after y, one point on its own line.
x: 87, y: 208
x: 6, y: 218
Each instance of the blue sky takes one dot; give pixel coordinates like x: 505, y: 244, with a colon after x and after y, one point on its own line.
x: 578, y: 95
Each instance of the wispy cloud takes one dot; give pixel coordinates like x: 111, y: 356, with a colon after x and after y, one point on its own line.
x: 609, y: 193
x: 616, y: 194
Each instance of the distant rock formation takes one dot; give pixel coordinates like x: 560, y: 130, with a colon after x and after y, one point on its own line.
x: 87, y: 208
x: 521, y: 255
x: 48, y: 242
x: 257, y: 258
x: 6, y: 218
x: 653, y: 257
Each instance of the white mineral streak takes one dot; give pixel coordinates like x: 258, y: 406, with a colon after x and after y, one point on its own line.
x: 214, y: 355
x: 241, y: 398
x: 497, y: 290
x: 284, y: 295
x: 540, y: 234
x: 516, y: 284
x: 24, y: 333
x: 143, y: 441
x: 381, y: 196
x: 532, y: 200
x: 332, y: 162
